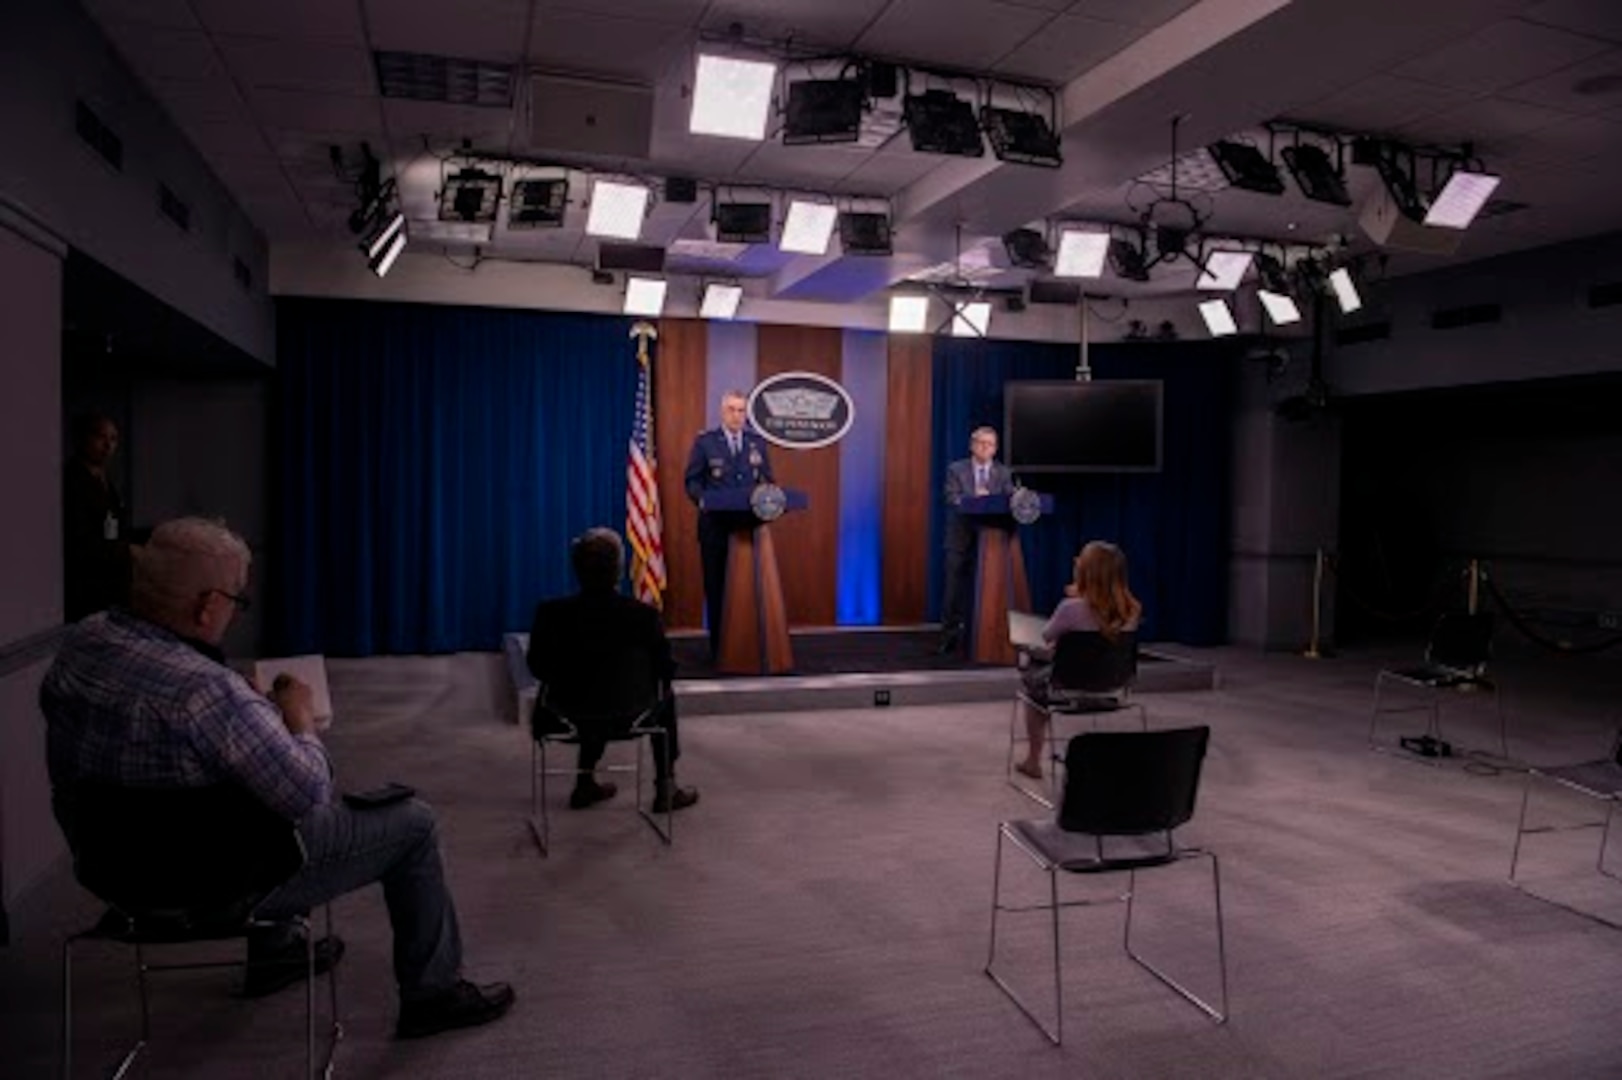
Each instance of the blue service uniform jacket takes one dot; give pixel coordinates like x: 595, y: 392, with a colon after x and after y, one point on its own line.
x: 711, y: 465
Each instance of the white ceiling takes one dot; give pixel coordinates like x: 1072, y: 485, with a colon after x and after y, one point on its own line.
x: 264, y: 90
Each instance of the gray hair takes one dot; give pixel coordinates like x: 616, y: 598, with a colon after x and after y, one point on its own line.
x: 598, y: 556
x: 728, y: 395
x: 183, y: 559
x: 983, y: 429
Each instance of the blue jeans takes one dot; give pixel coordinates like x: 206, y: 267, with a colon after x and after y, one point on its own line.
x: 398, y: 845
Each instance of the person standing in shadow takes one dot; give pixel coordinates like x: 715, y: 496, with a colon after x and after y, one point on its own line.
x: 95, y: 525
x: 978, y: 474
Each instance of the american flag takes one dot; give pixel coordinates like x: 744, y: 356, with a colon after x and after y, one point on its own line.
x: 642, y: 498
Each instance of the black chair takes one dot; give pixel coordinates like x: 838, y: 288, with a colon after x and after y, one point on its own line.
x: 628, y: 708
x: 180, y: 866
x: 1600, y: 780
x: 1124, y: 793
x: 1455, y: 661
x: 1092, y: 675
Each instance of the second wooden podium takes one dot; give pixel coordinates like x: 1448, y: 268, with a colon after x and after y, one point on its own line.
x: 1000, y: 585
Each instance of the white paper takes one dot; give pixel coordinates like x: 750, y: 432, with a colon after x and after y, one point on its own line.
x: 310, y: 670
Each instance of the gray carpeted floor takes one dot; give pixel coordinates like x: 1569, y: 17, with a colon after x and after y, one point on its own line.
x: 824, y: 910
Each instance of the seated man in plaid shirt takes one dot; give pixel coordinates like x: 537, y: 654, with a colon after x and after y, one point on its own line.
x: 143, y: 698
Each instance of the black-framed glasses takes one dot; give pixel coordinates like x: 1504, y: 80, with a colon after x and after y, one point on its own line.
x: 242, y: 602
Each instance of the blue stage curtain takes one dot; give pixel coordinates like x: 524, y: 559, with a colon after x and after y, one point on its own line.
x: 432, y: 465
x: 1173, y: 525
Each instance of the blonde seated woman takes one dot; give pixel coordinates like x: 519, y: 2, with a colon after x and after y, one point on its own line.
x: 1099, y: 599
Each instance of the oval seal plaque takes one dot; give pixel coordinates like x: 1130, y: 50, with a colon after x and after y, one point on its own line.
x: 801, y: 410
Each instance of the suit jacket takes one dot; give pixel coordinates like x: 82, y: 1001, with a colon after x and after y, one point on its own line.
x: 711, y: 465
x: 960, y: 484
x: 599, y: 654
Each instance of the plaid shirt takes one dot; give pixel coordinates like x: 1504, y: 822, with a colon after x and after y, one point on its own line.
x: 131, y: 703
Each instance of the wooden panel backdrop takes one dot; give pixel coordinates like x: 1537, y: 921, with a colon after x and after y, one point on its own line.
x: 807, y: 541
x: 909, y: 487
x: 680, y: 412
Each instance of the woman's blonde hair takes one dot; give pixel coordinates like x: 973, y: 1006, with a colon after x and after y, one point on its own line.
x: 1101, y: 581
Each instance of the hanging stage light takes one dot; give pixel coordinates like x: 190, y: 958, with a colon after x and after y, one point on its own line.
x: 940, y: 122
x: 1025, y: 138
x: 1274, y: 291
x: 1319, y: 178
x: 1246, y: 167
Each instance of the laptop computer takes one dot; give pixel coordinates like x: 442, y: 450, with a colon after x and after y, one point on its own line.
x: 1025, y: 630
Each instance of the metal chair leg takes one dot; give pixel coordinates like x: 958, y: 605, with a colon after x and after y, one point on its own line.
x: 1604, y: 840
x: 540, y: 825
x: 1219, y: 1015
x: 1520, y: 830
x: 337, y: 1021
x: 1055, y: 1034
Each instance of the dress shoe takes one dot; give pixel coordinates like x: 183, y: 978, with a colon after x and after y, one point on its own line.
x: 669, y: 799
x: 590, y: 794
x: 270, y: 970
x: 950, y: 640
x: 464, y: 1005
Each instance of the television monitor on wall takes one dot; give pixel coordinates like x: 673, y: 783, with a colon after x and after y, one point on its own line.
x: 1061, y: 426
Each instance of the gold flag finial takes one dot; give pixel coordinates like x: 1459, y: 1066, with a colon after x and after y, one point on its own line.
x: 643, y: 332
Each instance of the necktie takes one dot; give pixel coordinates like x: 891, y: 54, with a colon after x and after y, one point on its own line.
x: 732, y: 441
x: 980, y: 485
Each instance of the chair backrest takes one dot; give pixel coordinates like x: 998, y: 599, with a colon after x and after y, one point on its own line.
x: 1128, y: 783
x: 1461, y: 641
x: 200, y: 850
x: 1087, y: 662
x: 633, y: 689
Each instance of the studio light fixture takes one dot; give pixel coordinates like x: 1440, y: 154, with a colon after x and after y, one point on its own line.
x: 393, y: 225
x: 1246, y: 167
x: 538, y: 203
x: 1274, y: 291
x: 1218, y: 318
x: 1027, y: 249
x: 617, y: 209
x: 865, y: 233
x: 909, y: 313
x: 1461, y: 199
x: 732, y: 97
x: 1024, y: 138
x: 1224, y: 270
x: 808, y: 228
x: 1081, y: 254
x: 720, y: 301
x: 1345, y: 290
x: 743, y: 222
x: 971, y: 318
x: 384, y: 257
x: 824, y: 111
x: 644, y: 296
x: 470, y: 196
x: 1319, y: 178
x: 1129, y: 259
x: 940, y: 122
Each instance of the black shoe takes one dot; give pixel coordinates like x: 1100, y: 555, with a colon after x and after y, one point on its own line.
x: 464, y: 1005
x: 589, y: 794
x: 270, y: 970
x: 950, y: 640
x: 668, y: 800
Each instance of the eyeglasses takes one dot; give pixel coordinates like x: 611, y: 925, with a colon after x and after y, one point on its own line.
x: 242, y: 602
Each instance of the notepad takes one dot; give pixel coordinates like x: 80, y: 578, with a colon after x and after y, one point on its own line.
x: 310, y: 670
x: 1025, y: 630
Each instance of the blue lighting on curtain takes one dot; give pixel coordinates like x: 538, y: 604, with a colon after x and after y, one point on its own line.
x: 433, y: 465
x: 1173, y: 525
x: 865, y: 374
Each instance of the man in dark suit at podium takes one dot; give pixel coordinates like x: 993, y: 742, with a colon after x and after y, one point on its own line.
x: 978, y: 474
x: 729, y: 456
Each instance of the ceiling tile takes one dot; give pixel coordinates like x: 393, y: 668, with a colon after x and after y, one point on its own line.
x: 592, y: 44
x: 824, y: 22
x: 444, y: 126
x: 1579, y: 138
x: 1382, y: 104
x: 1067, y: 47
x: 1145, y: 13
x: 1601, y: 18
x: 228, y: 140
x: 324, y: 113
x: 469, y: 29
x: 157, y: 53
x: 214, y: 101
x: 668, y: 12
x: 889, y: 173
x: 295, y: 20
x: 1561, y: 89
x: 175, y: 14
x: 1507, y: 52
x: 1054, y: 6
x: 1486, y: 122
x: 971, y: 34
x: 327, y: 69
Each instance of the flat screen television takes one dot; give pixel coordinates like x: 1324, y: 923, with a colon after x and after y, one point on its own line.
x: 1062, y: 426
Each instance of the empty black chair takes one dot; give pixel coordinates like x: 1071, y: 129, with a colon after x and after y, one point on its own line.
x: 1456, y: 660
x: 626, y: 708
x: 1124, y: 794
x: 1091, y: 675
x: 1600, y: 780
x: 176, y: 866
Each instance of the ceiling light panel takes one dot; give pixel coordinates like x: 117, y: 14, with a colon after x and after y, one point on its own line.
x: 971, y: 319
x: 644, y: 296
x: 617, y: 210
x: 1224, y: 270
x: 908, y: 314
x: 720, y: 301
x: 1345, y: 290
x: 1281, y: 308
x: 1218, y: 318
x: 732, y: 98
x: 1461, y: 199
x: 1081, y: 254
x: 808, y: 228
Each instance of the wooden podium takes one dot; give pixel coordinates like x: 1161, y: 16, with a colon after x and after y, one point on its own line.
x: 1000, y: 585
x: 754, y: 622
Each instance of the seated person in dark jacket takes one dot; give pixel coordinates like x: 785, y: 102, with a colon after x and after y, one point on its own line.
x: 602, y: 659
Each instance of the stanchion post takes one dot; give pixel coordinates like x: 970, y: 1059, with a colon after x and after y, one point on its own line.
x: 1475, y: 586
x: 1312, y: 652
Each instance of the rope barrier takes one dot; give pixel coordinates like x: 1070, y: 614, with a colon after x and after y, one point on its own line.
x: 1520, y: 623
x: 1430, y: 606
